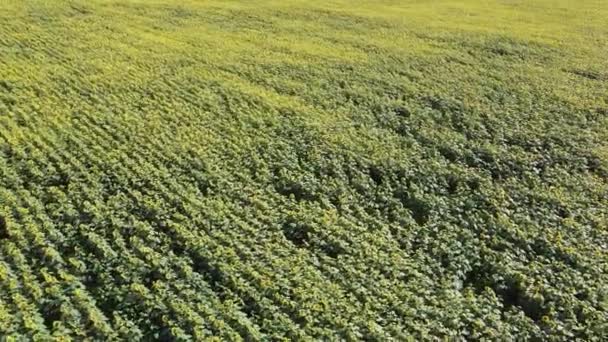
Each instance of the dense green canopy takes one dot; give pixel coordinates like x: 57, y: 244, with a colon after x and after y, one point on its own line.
x: 304, y: 170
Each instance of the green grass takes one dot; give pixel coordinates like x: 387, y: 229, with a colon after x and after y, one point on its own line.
x: 304, y: 170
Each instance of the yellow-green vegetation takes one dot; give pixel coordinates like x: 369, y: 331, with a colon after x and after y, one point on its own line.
x: 304, y: 170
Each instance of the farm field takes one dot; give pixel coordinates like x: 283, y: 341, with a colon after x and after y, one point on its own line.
x: 304, y: 170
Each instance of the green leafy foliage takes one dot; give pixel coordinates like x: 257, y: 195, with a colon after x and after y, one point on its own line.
x: 303, y: 170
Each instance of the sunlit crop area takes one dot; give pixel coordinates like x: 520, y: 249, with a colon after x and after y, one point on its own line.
x: 304, y: 170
